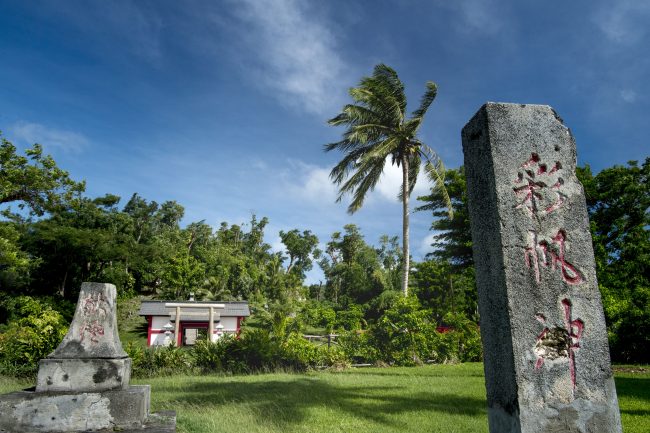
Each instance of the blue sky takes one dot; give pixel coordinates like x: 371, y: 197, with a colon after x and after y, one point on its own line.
x: 222, y: 105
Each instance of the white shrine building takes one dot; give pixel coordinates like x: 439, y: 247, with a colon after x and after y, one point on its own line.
x: 193, y: 320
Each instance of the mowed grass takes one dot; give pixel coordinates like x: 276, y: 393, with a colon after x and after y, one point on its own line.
x: 433, y: 399
x: 436, y: 398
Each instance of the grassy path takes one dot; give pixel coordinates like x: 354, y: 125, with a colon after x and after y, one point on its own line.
x: 439, y: 398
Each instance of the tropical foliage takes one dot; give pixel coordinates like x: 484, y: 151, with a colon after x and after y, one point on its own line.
x: 379, y: 129
x: 143, y: 249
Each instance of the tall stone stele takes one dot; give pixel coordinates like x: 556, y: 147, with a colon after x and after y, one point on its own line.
x: 84, y: 384
x: 547, y: 365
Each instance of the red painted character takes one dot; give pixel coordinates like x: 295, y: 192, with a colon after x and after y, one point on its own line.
x: 540, y: 190
x: 557, y: 342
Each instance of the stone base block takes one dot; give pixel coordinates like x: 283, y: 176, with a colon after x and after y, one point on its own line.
x: 36, y: 412
x: 159, y: 422
x: 81, y: 375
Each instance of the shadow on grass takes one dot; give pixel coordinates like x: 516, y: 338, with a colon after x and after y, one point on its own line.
x: 285, y: 403
x: 387, y: 372
x: 634, y: 387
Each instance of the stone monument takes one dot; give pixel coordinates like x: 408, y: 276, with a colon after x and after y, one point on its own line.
x: 547, y: 366
x: 84, y: 384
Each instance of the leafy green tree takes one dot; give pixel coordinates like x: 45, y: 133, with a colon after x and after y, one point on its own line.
x: 183, y: 275
x: 401, y: 332
x: 301, y: 249
x: 378, y: 129
x: 390, y: 256
x: 618, y: 200
x: 352, y: 269
x: 79, y: 243
x: 15, y: 264
x: 442, y: 289
x: 35, y: 331
x: 453, y: 238
x: 34, y: 180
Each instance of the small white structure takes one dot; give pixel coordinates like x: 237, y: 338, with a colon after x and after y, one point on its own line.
x: 184, y: 322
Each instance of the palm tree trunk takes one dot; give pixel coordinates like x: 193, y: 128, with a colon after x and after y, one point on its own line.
x: 405, y: 224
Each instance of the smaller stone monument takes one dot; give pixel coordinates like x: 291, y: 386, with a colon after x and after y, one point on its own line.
x: 84, y: 384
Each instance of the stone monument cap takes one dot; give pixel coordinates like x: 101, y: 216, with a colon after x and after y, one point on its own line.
x: 93, y: 331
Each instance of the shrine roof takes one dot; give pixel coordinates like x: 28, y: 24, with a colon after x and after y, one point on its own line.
x: 231, y: 309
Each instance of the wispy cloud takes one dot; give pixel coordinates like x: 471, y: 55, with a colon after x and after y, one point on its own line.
x: 628, y: 95
x: 425, y: 244
x: 295, y: 51
x: 309, y: 182
x: 30, y: 133
x: 623, y: 21
x: 484, y: 17
x: 312, y: 183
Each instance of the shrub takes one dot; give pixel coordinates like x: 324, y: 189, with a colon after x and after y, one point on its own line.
x: 443, y: 346
x: 357, y: 347
x: 257, y: 351
x: 333, y: 357
x: 350, y: 319
x: 34, y: 335
x: 466, y: 337
x: 157, y: 361
x: 299, y: 354
x: 401, y: 333
x: 209, y: 357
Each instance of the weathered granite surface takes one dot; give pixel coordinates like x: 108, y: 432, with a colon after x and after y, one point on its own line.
x: 83, y: 374
x: 90, y: 357
x: 547, y: 366
x: 83, y: 385
x: 28, y: 411
x: 93, y: 331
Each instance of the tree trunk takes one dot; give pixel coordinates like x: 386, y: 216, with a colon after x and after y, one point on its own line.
x: 405, y: 224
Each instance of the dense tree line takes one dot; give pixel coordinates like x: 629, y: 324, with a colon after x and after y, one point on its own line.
x: 61, y: 238
x: 618, y: 203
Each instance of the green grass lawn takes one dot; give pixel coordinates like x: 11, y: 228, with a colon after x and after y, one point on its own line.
x: 436, y: 398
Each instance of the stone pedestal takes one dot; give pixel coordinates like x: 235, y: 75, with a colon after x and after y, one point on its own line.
x: 83, y: 385
x: 547, y: 366
x: 89, y: 374
x: 28, y: 411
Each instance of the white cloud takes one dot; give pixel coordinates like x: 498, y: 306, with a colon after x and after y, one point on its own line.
x: 310, y: 182
x: 628, y: 95
x: 391, y: 183
x: 277, y: 246
x: 297, y: 58
x: 623, y: 21
x: 425, y: 245
x: 477, y: 16
x: 481, y: 15
x: 30, y: 133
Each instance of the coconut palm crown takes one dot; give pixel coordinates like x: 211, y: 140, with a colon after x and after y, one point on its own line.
x: 379, y: 129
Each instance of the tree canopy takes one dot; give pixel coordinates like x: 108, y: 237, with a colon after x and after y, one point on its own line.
x: 34, y: 180
x: 379, y: 129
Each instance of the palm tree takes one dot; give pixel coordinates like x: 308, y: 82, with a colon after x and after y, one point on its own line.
x: 378, y: 128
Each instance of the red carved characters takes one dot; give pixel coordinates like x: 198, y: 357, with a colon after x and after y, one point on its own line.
x: 95, y: 309
x: 94, y: 329
x: 537, y: 252
x: 556, y: 342
x: 539, y: 186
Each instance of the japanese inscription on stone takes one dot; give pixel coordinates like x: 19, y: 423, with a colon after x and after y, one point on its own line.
x: 545, y: 344
x: 538, y: 190
x: 95, y: 309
